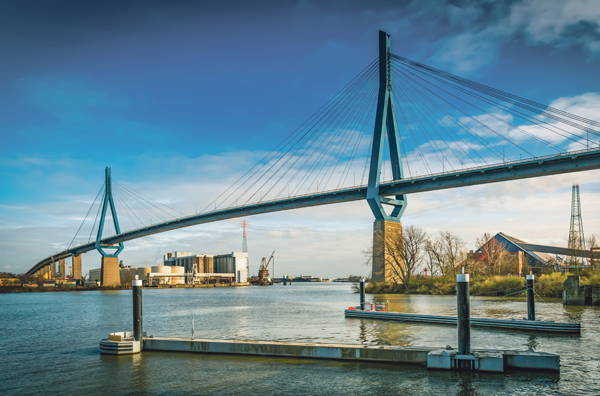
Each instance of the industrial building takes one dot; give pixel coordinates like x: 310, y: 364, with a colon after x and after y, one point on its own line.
x: 527, y: 255
x: 231, y: 263
x: 186, y: 268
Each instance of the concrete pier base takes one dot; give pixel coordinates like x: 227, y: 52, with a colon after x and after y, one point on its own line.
x: 383, y: 233
x: 430, y: 357
x: 120, y: 343
x: 61, y: 268
x: 77, y: 267
x: 110, y: 275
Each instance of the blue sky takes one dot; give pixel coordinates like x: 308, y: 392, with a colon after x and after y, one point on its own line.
x: 180, y: 97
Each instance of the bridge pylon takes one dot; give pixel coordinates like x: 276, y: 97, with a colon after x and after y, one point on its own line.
x: 387, y: 226
x: 110, y: 261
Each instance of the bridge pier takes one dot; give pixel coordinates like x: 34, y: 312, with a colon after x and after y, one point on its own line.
x: 110, y: 275
x: 77, y: 266
x: 53, y: 270
x: 61, y: 268
x: 384, y: 234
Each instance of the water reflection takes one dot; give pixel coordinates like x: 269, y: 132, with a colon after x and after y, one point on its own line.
x: 56, y: 336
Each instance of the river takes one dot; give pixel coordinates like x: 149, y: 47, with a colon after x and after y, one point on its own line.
x: 50, y: 344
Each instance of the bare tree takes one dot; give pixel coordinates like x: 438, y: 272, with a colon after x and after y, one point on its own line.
x: 453, y: 253
x: 435, y: 256
x: 495, y: 255
x: 592, y: 242
x: 403, y: 252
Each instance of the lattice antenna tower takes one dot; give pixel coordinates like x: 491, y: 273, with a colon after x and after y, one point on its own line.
x: 244, y: 224
x: 576, y: 237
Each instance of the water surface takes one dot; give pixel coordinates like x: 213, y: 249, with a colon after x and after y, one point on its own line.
x: 50, y: 344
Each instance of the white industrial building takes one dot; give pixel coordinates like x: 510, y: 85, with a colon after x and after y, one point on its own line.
x: 232, y: 263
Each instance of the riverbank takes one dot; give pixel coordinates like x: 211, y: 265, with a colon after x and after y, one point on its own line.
x: 550, y: 285
x: 38, y: 289
x: 42, y: 289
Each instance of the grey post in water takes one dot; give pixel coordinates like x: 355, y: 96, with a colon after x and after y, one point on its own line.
x: 362, y: 294
x: 137, y: 308
x: 530, y: 299
x: 464, y: 316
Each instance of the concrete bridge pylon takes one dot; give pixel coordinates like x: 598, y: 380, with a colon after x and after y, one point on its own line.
x: 386, y: 225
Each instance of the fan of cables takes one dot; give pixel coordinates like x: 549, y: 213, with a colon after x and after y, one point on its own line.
x: 134, y: 210
x: 449, y: 122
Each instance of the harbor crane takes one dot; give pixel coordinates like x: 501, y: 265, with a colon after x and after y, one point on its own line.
x: 263, y: 271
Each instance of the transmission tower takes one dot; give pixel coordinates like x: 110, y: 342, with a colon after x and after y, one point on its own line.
x: 245, y: 225
x: 576, y: 237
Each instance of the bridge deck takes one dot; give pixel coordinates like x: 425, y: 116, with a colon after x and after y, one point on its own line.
x: 542, y: 166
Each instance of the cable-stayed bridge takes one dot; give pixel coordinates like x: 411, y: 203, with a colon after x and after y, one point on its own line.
x: 399, y: 127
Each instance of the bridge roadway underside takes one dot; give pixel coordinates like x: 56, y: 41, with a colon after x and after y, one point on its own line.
x: 564, y: 163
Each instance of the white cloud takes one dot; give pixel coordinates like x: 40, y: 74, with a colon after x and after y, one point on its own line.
x: 561, y: 24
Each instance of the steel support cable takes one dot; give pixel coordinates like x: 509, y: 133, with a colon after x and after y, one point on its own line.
x: 94, y: 228
x: 97, y: 216
x: 314, y: 164
x: 287, y: 160
x: 150, y: 207
x: 514, y: 111
x: 136, y: 203
x: 332, y: 129
x: 87, y: 214
x: 145, y: 210
x: 365, y: 122
x: 365, y: 108
x: 430, y: 139
x: 482, y: 87
x: 520, y: 103
x: 316, y: 136
x: 519, y: 114
x: 352, y: 122
x: 403, y: 150
x: 460, y: 125
x: 310, y: 132
x: 318, y: 115
x: 367, y: 160
x: 433, y: 126
x: 451, y: 310
x: 129, y: 213
x: 132, y: 213
x: 447, y: 81
x: 491, y: 115
x: 438, y: 127
x: 83, y: 236
x: 126, y: 221
x: 466, y: 114
x: 412, y: 135
x: 567, y: 314
x: 287, y: 138
x: 358, y: 145
x: 151, y: 201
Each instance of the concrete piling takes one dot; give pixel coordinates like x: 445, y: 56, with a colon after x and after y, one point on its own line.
x: 530, y: 299
x: 464, y: 315
x: 362, y: 294
x: 77, y: 266
x: 137, y: 308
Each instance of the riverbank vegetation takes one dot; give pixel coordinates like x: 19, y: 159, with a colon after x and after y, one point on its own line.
x: 404, y: 258
x: 546, y: 285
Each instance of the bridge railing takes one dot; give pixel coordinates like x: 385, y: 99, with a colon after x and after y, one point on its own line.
x: 364, y: 186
